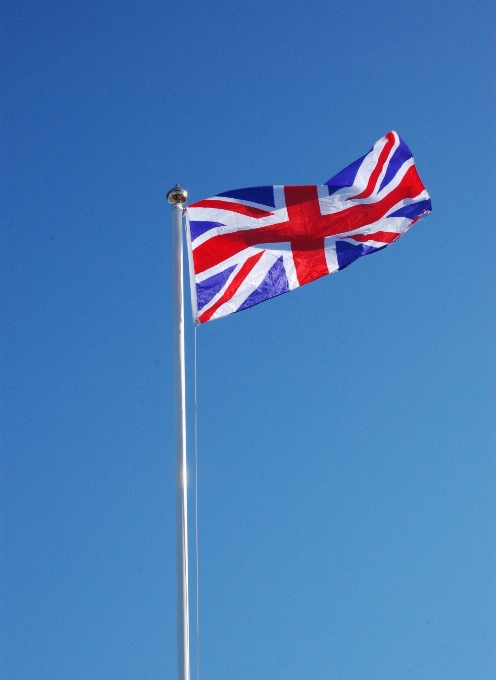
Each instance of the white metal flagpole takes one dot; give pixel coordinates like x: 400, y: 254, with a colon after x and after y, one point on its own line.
x: 177, y: 197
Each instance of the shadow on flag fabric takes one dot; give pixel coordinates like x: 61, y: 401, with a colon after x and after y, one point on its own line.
x: 249, y: 245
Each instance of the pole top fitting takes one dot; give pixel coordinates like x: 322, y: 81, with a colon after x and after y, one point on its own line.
x: 177, y: 195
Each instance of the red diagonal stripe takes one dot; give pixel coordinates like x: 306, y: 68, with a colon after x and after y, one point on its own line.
x: 380, y: 236
x: 232, y: 207
x: 233, y: 287
x: 377, y: 170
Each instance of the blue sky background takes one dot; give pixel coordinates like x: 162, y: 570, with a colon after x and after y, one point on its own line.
x: 346, y: 431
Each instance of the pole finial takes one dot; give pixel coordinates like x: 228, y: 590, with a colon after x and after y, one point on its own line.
x: 177, y: 195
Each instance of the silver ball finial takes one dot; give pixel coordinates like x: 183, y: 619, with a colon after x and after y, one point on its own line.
x: 177, y: 195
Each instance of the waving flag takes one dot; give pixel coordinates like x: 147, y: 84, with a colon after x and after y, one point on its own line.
x: 248, y: 245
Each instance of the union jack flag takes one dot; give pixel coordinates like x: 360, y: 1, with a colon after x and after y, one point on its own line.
x: 248, y: 245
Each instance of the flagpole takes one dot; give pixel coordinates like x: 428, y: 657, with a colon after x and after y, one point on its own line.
x: 177, y: 197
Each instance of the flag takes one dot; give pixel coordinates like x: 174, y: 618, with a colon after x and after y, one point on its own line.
x: 249, y: 245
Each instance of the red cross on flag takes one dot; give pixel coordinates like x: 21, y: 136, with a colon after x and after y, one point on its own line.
x: 248, y: 245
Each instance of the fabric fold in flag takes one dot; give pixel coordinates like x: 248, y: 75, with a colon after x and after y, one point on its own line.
x: 248, y: 245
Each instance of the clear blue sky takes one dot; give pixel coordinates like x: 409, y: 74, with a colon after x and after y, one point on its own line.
x: 346, y: 430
